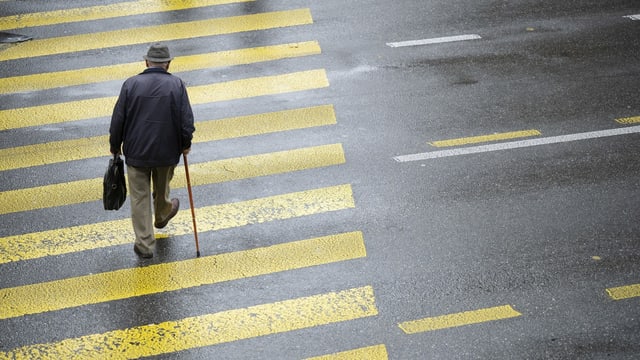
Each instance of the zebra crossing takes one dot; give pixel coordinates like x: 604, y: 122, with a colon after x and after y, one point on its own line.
x: 55, y: 101
x: 100, y: 107
x: 34, y: 297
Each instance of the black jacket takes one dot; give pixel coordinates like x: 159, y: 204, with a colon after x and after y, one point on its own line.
x: 152, y: 119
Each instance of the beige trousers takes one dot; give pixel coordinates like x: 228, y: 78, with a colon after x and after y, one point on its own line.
x: 140, y: 180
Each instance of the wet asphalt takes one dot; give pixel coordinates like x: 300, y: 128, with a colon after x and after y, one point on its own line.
x: 545, y: 229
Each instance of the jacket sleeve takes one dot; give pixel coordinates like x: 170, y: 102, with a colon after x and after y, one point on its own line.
x: 116, y: 130
x: 187, y: 123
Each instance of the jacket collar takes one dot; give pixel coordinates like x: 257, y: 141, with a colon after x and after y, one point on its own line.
x: 154, y: 70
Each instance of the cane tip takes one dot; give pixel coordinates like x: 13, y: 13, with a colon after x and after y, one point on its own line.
x: 198, y: 254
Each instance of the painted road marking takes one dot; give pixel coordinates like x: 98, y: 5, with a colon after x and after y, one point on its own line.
x: 158, y: 33
x: 211, y: 130
x: 225, y: 91
x: 485, y: 138
x: 438, y: 40
x: 213, y: 172
x: 518, y: 144
x: 154, y: 279
x: 377, y: 352
x: 629, y: 120
x: 50, y: 80
x: 212, y: 329
x: 459, y: 319
x: 224, y: 216
x: 633, y: 17
x: 104, y: 12
x: 624, y: 292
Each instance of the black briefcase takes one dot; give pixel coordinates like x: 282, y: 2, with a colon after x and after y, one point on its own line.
x: 114, y: 184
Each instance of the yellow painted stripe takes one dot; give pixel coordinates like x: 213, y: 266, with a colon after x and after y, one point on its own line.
x: 93, y: 75
x: 212, y: 329
x: 267, y: 85
x: 104, y: 12
x: 459, y: 319
x: 151, y: 34
x: 211, y: 218
x: 213, y: 172
x: 624, y: 292
x: 377, y: 352
x: 101, y: 107
x: 211, y: 130
x: 204, y: 173
x: 485, y: 138
x: 116, y: 285
x: 629, y: 120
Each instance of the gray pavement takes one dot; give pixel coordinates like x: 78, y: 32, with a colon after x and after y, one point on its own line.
x: 544, y: 230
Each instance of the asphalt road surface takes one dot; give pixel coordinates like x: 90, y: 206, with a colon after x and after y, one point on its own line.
x: 372, y: 180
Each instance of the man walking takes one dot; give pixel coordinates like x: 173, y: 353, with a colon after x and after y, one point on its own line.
x: 153, y: 123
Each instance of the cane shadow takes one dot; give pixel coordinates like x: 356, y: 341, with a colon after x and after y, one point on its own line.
x: 145, y: 308
x: 167, y: 304
x: 167, y: 248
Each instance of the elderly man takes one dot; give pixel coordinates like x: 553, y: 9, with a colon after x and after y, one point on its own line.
x: 153, y: 123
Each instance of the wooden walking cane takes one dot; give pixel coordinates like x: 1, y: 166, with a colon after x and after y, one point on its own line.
x: 193, y: 212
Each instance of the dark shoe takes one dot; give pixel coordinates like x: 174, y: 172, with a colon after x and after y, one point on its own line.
x: 175, y: 205
x: 141, y: 254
